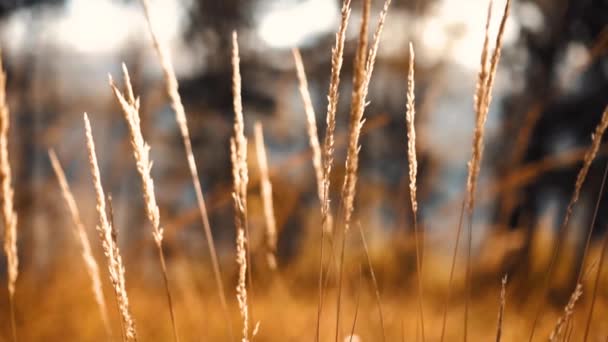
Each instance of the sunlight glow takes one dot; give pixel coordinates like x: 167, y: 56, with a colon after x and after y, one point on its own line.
x: 455, y: 29
x: 96, y: 26
x: 293, y: 24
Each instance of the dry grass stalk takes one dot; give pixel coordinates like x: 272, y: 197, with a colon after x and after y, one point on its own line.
x: 266, y: 194
x: 482, y: 101
x: 180, y: 115
x: 311, y: 123
x: 413, y: 170
x: 568, y: 311
x: 109, y: 243
x: 596, y: 140
x: 84, y: 244
x: 141, y: 152
x: 501, y: 310
x: 238, y: 155
x: 9, y: 216
x: 337, y: 58
x: 356, y: 122
x: 352, y: 154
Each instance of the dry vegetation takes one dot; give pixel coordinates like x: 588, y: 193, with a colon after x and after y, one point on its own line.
x: 339, y: 289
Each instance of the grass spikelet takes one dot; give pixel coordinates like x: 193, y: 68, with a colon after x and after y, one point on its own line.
x: 568, y: 311
x: 83, y: 241
x: 337, y: 57
x: 596, y: 140
x: 311, y: 125
x: 238, y: 155
x: 501, y: 310
x: 356, y: 123
x: 180, y: 116
x: 411, y: 131
x: 352, y: 154
x: 360, y: 61
x: 141, y: 153
x: 107, y: 235
x: 9, y: 216
x: 483, y: 99
x: 413, y: 170
x: 266, y: 194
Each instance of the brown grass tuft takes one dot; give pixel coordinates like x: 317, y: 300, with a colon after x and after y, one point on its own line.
x: 107, y: 234
x: 83, y: 240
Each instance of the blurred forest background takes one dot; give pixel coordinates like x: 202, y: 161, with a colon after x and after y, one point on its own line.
x: 551, y: 89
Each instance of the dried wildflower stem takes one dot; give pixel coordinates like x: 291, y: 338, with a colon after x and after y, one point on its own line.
x: 238, y: 155
x: 83, y: 240
x: 337, y: 58
x: 352, y: 154
x: 501, y: 310
x: 266, y: 194
x: 180, y: 115
x: 9, y: 216
x: 374, y: 281
x: 141, y: 152
x: 413, y: 171
x: 596, y: 140
x: 568, y: 311
x: 107, y: 234
x: 596, y: 284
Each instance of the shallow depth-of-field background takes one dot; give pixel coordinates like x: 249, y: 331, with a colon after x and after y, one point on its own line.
x: 550, y: 92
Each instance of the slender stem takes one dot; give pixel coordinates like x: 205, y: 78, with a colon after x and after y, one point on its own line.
x: 11, y: 301
x: 419, y: 275
x: 374, y: 281
x: 469, y: 271
x: 595, y: 286
x: 452, y: 268
x: 169, y: 299
x: 592, y: 226
x: 320, y: 304
x: 340, y: 280
x: 352, y: 330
